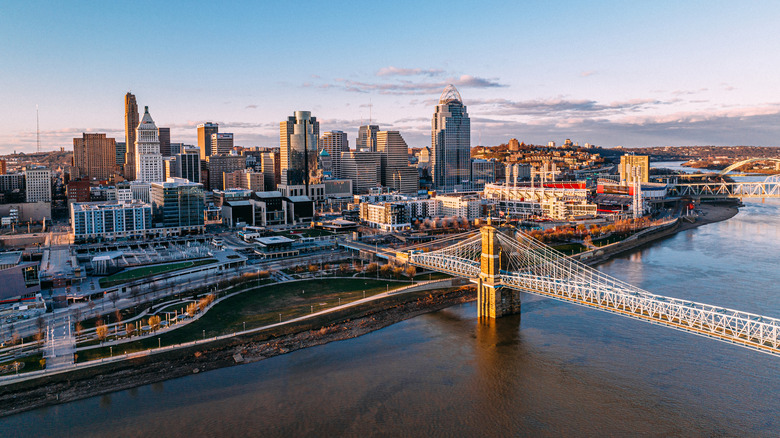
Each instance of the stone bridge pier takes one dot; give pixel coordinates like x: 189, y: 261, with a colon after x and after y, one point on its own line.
x: 493, y: 300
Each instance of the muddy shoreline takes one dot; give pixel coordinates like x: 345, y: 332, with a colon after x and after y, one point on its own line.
x: 83, y: 383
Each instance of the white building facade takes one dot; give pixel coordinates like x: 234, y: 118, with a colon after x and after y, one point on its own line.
x: 149, y: 161
x: 38, y: 184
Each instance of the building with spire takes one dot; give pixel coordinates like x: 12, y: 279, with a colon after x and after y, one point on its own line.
x: 450, y: 143
x: 131, y: 123
x: 148, y: 160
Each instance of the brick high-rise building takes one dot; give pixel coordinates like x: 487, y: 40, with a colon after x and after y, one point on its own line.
x: 94, y: 155
x: 131, y: 124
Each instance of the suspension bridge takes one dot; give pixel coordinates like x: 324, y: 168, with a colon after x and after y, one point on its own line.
x: 503, y: 265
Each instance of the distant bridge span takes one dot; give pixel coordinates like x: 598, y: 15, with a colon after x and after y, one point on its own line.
x: 769, y: 188
x: 502, y: 265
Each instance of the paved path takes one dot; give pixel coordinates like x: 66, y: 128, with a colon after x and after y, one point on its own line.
x: 60, y: 344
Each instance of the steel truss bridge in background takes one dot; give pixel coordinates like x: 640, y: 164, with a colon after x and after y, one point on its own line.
x: 529, y: 266
x: 769, y: 188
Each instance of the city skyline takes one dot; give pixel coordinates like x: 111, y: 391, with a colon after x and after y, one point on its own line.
x: 608, y: 74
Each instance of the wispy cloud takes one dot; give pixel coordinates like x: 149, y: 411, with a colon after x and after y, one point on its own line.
x: 395, y: 71
x: 409, y: 87
x: 250, y: 107
x: 587, y: 73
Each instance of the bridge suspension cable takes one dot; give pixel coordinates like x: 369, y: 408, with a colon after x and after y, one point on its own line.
x: 530, y: 266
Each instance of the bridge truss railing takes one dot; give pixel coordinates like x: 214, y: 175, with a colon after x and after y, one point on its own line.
x: 762, y: 189
x: 529, y: 266
x: 541, y: 270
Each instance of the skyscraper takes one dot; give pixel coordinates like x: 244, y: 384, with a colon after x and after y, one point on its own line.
x: 366, y: 141
x: 298, y: 143
x: 148, y: 160
x: 121, y: 149
x: 394, y: 153
x: 221, y: 143
x: 165, y: 141
x: 205, y: 130
x: 335, y: 142
x: 131, y: 124
x: 450, y: 142
x: 94, y: 156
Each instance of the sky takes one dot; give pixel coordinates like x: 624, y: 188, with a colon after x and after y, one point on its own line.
x: 660, y: 73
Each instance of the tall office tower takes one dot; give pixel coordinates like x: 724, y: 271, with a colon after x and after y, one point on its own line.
x: 187, y: 166
x: 450, y: 142
x: 121, y: 149
x: 221, y: 164
x: 148, y: 160
x: 131, y: 124
x: 363, y: 168
x: 366, y: 141
x: 272, y: 169
x: 205, y: 131
x: 335, y: 142
x: 628, y: 162
x: 298, y: 143
x: 394, y: 153
x: 165, y: 141
x: 177, y: 203
x: 221, y: 143
x: 94, y: 156
x: 177, y: 148
x: 38, y: 184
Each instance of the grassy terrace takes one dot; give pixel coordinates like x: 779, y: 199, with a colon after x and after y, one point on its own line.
x: 258, y: 307
x: 148, y: 271
x: 31, y: 363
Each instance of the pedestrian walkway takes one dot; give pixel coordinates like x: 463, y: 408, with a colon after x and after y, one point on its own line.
x: 60, y: 344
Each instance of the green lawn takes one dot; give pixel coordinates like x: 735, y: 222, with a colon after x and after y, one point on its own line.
x: 259, y: 307
x: 31, y: 363
x: 148, y: 271
x: 570, y: 248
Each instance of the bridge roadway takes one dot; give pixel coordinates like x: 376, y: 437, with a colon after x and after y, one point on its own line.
x: 531, y: 267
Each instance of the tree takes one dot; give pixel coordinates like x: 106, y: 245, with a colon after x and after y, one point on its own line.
x: 101, y: 330
x: 41, y: 324
x: 386, y: 270
x: 372, y: 268
x: 118, y: 316
x: 398, y: 272
x: 313, y: 268
x: 411, y: 271
x: 154, y: 322
x: 191, y: 309
x: 78, y: 328
x: 114, y: 297
x: 343, y: 268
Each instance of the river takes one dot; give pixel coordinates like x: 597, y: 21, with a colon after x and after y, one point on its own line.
x: 556, y: 369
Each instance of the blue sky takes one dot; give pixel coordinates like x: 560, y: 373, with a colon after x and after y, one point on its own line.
x: 608, y: 73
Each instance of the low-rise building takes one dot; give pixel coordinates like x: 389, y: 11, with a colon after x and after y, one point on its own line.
x: 108, y: 220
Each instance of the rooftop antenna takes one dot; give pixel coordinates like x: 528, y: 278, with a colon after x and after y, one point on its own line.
x: 37, y: 129
x: 370, y: 111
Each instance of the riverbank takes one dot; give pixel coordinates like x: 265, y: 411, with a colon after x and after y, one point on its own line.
x: 348, y: 323
x: 708, y: 214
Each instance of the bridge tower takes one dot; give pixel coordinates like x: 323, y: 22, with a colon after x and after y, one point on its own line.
x: 493, y: 300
